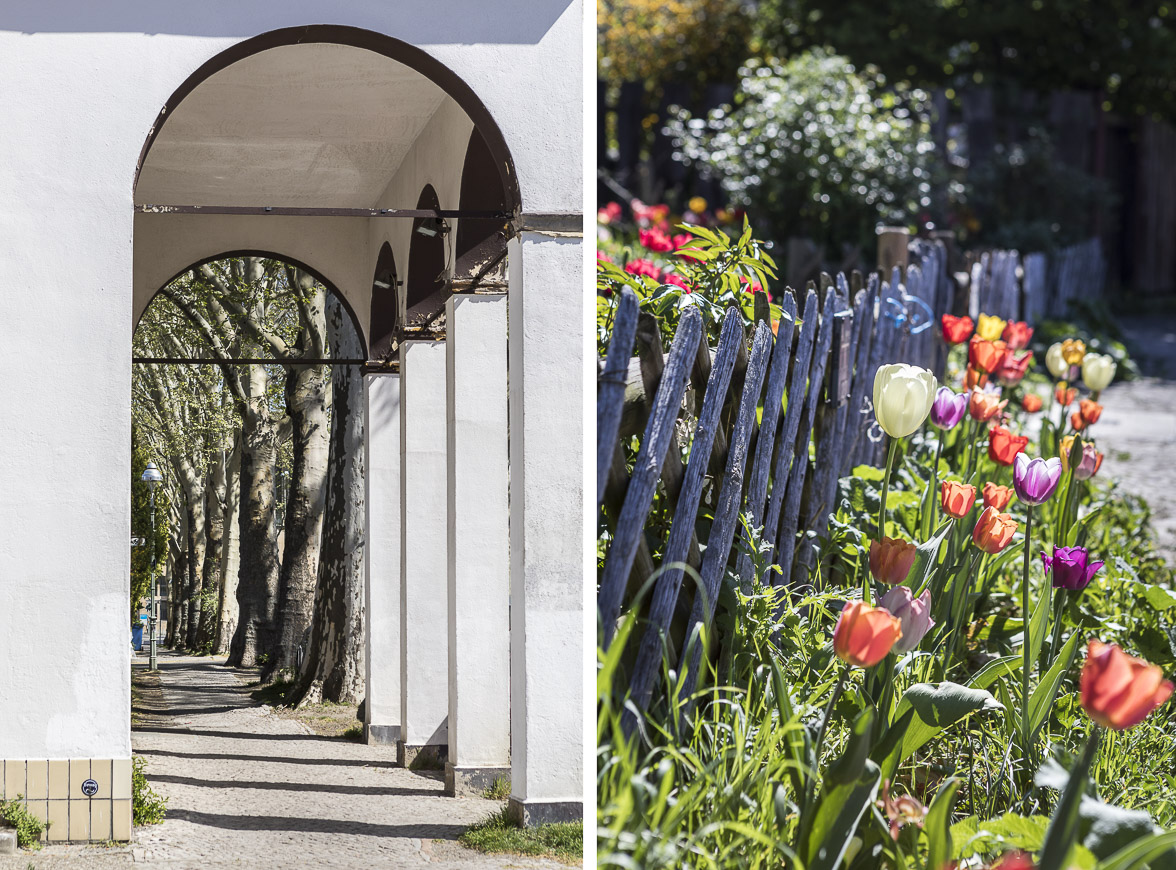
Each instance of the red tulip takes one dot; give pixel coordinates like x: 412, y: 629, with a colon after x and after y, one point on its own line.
x: 956, y: 499
x: 984, y: 406
x: 957, y: 329
x: 993, y: 530
x: 865, y: 635
x: 986, y: 355
x: 1013, y: 368
x: 1017, y: 334
x: 1118, y: 690
x: 997, y: 496
x: 891, y: 560
x: 1003, y: 445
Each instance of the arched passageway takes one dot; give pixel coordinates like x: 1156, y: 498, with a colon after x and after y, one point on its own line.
x: 314, y: 142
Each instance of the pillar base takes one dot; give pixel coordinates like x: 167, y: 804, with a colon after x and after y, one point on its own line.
x: 381, y: 735
x: 473, y: 781
x: 532, y: 813
x: 428, y: 756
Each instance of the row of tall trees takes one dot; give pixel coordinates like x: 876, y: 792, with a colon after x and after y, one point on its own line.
x: 264, y: 470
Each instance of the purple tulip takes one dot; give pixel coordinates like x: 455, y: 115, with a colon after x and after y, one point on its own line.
x: 1035, y: 480
x: 1070, y: 567
x: 948, y: 408
x: 913, y: 613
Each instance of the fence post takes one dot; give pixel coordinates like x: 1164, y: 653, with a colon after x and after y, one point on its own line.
x: 892, y: 248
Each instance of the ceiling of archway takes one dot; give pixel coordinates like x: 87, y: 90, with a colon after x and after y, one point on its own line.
x: 312, y: 125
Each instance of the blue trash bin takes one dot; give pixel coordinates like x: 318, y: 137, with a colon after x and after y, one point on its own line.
x: 137, y: 637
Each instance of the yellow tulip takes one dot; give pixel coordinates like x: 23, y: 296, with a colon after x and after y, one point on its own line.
x: 1073, y: 349
x: 903, y: 396
x: 990, y: 327
x: 696, y: 204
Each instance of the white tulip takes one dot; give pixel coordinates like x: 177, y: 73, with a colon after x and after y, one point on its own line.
x: 903, y: 396
x: 1057, y: 365
x: 1098, y: 370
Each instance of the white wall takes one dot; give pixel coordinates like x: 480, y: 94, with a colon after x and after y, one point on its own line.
x: 83, y: 84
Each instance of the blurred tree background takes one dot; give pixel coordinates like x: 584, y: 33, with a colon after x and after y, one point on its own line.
x: 1033, y: 125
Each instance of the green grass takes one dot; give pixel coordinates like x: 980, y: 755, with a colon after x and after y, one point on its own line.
x: 354, y: 734
x: 273, y: 694
x: 499, y: 791
x: 499, y: 833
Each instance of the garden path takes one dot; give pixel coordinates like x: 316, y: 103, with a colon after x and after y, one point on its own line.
x: 1137, y: 430
x: 247, y: 788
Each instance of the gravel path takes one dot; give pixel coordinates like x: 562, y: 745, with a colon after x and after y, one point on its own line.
x: 1137, y: 430
x: 247, y: 788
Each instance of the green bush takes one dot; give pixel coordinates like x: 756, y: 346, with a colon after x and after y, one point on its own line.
x: 28, y: 827
x: 817, y: 148
x: 148, y: 808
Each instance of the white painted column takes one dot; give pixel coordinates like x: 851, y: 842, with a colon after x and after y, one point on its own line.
x: 479, y: 544
x: 381, y: 722
x: 547, y: 518
x: 424, y: 638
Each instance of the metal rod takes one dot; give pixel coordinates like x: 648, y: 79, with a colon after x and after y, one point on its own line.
x: 290, y: 211
x: 152, y: 660
x: 187, y: 361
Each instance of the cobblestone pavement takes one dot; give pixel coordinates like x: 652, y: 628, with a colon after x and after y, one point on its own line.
x: 246, y: 788
x: 1137, y: 430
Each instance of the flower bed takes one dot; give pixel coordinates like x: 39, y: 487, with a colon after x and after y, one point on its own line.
x: 970, y: 671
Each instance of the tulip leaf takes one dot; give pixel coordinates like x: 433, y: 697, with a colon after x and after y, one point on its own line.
x: 1159, y: 598
x: 926, y: 562
x: 1062, y: 833
x: 1078, y: 530
x: 937, y: 826
x: 1106, y: 829
x: 1042, y: 699
x: 994, y: 670
x: 1142, y: 852
x: 937, y: 706
x: 1037, y: 625
x: 837, y: 818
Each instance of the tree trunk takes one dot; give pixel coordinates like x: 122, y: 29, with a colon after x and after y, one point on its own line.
x: 307, y: 403
x: 211, y: 598
x: 197, y: 541
x: 334, y: 667
x: 230, y: 552
x: 258, y: 575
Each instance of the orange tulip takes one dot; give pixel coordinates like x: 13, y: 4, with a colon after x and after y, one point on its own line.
x: 865, y: 635
x: 974, y: 378
x: 1031, y: 402
x: 986, y: 355
x: 1076, y: 422
x: 993, y: 530
x: 956, y: 499
x: 1017, y: 334
x: 1065, y: 397
x: 956, y: 329
x: 1090, y: 411
x: 1003, y: 445
x: 891, y: 560
x: 1118, y: 690
x: 997, y: 496
x: 984, y: 406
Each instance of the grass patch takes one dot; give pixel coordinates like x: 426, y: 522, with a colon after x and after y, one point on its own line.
x: 354, y: 734
x: 563, y: 841
x: 499, y: 791
x: 273, y: 693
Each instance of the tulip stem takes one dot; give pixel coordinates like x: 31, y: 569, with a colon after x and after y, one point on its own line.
x: 1059, y: 607
x: 1026, y: 616
x: 935, y: 482
x: 890, y: 454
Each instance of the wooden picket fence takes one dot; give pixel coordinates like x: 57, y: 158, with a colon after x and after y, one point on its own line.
x: 1036, y: 286
x: 813, y: 381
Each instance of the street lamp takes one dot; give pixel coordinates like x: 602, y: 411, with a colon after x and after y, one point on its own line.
x: 152, y: 477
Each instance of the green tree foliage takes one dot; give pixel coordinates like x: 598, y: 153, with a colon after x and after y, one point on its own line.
x: 1125, y: 49
x: 815, y: 147
x: 141, y: 524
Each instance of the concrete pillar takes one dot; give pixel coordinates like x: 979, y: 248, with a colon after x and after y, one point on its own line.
x: 547, y: 515
x: 479, y: 544
x: 424, y: 636
x: 381, y: 722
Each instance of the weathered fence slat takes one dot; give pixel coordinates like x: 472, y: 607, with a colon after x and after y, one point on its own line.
x: 718, y: 545
x: 863, y: 375
x: 659, y: 436
x: 669, y: 584
x: 757, y: 490
x: 610, y: 391
x: 787, y: 438
x: 786, y: 541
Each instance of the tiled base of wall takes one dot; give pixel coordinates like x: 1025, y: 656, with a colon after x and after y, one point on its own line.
x: 54, y: 790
